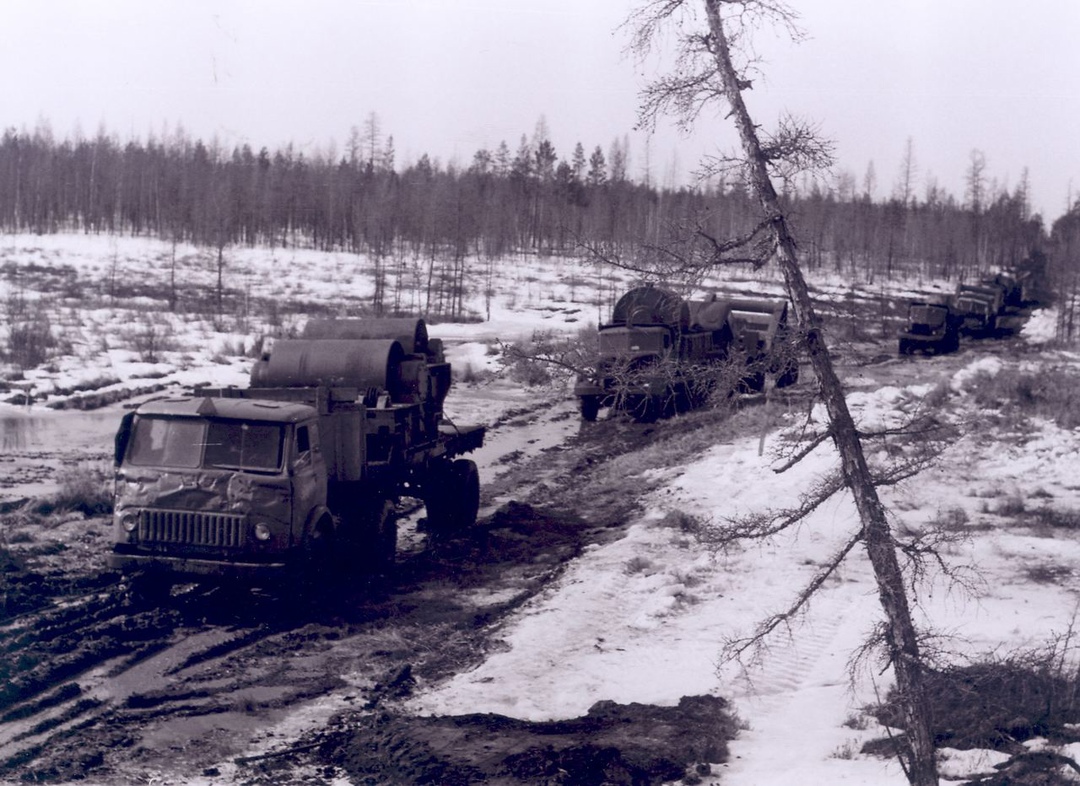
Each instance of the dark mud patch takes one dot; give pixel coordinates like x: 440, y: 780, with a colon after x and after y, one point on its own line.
x: 91, y: 681
x: 518, y: 536
x: 613, y: 744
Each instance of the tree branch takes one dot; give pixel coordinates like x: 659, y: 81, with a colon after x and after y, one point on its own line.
x: 735, y: 648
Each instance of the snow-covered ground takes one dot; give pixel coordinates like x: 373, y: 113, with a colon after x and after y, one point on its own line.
x: 643, y: 618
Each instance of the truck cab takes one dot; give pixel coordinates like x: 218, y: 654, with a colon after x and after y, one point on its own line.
x: 978, y: 307
x: 931, y: 327
x: 218, y: 487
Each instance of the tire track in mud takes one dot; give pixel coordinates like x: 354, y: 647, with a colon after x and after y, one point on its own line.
x: 83, y: 659
x: 114, y: 690
x: 93, y: 678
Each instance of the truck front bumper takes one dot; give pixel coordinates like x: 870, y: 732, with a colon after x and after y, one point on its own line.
x: 183, y: 567
x: 928, y: 339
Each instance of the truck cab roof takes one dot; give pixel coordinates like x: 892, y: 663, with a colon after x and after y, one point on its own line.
x: 232, y: 408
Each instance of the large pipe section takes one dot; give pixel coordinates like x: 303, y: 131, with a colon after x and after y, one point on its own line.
x: 332, y: 362
x: 410, y: 332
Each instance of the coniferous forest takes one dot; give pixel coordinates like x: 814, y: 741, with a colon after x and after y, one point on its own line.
x: 503, y: 202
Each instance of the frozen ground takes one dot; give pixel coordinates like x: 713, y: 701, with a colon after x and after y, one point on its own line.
x: 644, y: 619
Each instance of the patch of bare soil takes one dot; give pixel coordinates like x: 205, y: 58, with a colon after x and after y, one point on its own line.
x: 613, y: 744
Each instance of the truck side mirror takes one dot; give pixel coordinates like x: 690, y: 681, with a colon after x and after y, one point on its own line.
x: 123, y: 436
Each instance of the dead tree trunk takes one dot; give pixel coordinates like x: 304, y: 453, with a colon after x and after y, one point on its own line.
x: 901, y: 639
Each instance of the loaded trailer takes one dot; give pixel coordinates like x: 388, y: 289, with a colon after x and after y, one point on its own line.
x: 661, y: 353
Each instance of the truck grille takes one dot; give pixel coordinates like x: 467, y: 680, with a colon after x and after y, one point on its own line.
x: 190, y: 527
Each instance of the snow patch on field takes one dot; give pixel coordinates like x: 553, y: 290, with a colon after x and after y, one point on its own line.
x: 645, y: 619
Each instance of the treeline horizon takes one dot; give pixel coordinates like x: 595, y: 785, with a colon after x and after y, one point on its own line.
x: 526, y: 200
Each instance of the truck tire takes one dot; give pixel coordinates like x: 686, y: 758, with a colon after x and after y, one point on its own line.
x: 954, y: 341
x: 789, y: 376
x: 150, y: 589
x: 379, y: 550
x: 453, y: 497
x: 468, y: 483
x: 753, y: 382
x: 644, y: 409
x: 590, y: 408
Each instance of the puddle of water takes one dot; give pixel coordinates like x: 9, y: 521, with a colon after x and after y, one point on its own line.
x: 37, y: 430
x: 37, y: 447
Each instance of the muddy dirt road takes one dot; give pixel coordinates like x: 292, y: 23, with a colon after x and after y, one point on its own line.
x: 233, y: 685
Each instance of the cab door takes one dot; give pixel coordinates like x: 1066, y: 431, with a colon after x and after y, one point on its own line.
x: 308, y: 471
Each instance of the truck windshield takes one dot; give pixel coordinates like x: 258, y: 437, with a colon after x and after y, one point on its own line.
x: 236, y: 444
x: 196, y: 442
x: 927, y: 315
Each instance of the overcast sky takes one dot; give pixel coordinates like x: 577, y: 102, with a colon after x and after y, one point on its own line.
x: 448, y: 77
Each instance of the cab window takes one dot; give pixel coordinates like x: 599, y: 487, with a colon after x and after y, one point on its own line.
x: 236, y: 444
x: 167, y: 442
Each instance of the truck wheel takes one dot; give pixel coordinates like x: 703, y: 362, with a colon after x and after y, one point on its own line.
x: 380, y: 533
x: 753, y: 382
x: 150, y: 589
x: 467, y: 478
x: 590, y: 408
x: 789, y: 376
x: 644, y: 409
x: 453, y: 497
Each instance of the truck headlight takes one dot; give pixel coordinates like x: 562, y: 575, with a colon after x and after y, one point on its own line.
x: 129, y: 520
x: 262, y: 532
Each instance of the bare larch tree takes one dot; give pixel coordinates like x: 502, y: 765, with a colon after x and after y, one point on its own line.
x: 705, y: 74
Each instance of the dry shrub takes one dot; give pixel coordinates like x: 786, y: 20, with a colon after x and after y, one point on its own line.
x: 470, y: 375
x: 637, y: 564
x: 683, y: 522
x: 548, y: 357
x: 86, y: 490
x: 1050, y: 393
x: 998, y: 702
x: 1047, y: 573
x: 31, y: 342
x: 1056, y: 518
x: 1011, y: 506
x: 152, y: 337
x: 955, y: 519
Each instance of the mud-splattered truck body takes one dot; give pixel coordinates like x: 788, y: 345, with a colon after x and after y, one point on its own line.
x: 302, y: 468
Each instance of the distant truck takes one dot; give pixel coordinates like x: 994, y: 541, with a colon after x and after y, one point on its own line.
x: 931, y: 327
x: 661, y: 353
x: 300, y: 470
x: 979, y: 306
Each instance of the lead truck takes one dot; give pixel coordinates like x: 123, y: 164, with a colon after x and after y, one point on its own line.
x: 300, y: 470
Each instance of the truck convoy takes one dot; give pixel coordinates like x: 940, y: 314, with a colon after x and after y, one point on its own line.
x: 302, y: 468
x: 994, y: 306
x: 661, y: 353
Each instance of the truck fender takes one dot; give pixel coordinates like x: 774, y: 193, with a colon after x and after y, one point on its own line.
x: 319, y: 528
